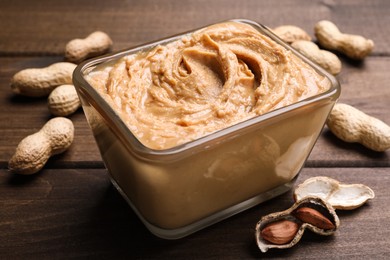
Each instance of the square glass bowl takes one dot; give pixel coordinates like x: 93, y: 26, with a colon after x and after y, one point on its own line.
x: 180, y: 190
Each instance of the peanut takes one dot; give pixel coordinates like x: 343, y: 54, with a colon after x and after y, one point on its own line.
x: 352, y: 125
x: 313, y: 217
x: 291, y: 33
x: 325, y: 59
x: 33, y: 151
x: 63, y: 100
x: 280, y: 232
x: 97, y: 43
x: 353, y: 46
x: 38, y: 82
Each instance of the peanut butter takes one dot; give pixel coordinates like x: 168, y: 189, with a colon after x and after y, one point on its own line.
x: 204, y: 82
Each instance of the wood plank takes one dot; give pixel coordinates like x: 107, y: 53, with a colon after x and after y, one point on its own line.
x: 44, y: 27
x: 70, y: 209
x: 78, y: 213
x: 363, y: 86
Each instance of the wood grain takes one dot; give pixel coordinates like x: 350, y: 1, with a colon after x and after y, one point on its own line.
x: 43, y: 27
x: 48, y: 215
x: 71, y: 210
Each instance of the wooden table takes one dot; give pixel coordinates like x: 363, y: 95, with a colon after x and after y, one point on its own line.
x: 70, y: 209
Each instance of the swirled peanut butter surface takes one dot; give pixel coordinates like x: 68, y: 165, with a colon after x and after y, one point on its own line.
x: 214, y: 78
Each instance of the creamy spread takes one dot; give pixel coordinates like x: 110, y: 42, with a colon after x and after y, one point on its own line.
x: 204, y: 82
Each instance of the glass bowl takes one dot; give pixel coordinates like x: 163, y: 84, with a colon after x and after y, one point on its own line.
x: 183, y: 189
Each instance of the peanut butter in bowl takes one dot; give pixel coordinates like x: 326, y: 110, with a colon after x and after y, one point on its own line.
x: 203, y: 125
x: 204, y: 82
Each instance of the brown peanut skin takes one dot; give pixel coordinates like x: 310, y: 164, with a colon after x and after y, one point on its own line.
x: 39, y: 82
x: 352, y: 125
x: 33, y: 151
x: 280, y: 232
x: 313, y: 217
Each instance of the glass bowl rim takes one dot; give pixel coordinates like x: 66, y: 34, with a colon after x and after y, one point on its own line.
x: 189, y: 148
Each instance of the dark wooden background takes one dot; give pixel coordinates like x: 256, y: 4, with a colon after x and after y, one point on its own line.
x: 70, y: 209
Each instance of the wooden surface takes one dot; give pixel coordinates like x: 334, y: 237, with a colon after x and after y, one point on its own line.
x: 70, y: 209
